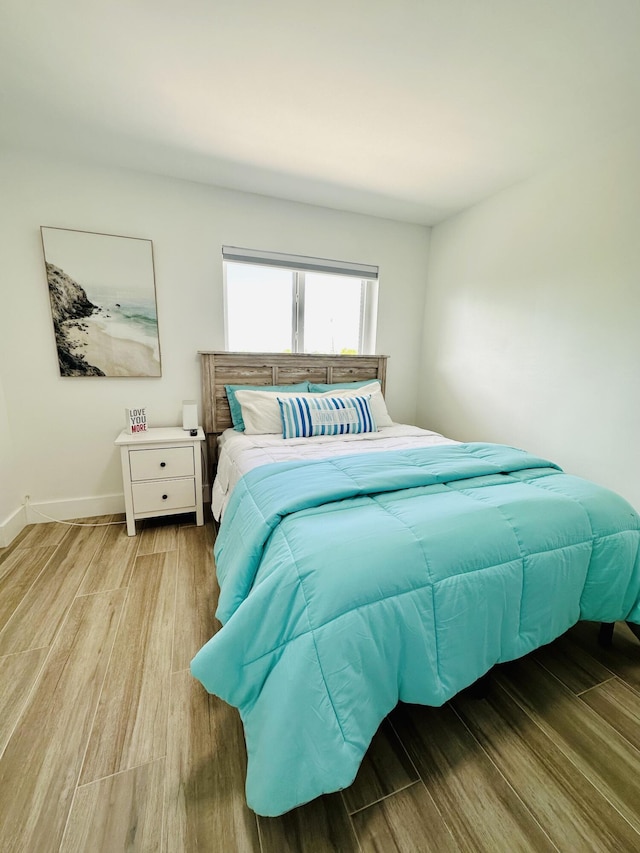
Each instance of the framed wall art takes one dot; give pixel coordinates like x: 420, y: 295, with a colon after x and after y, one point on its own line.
x: 103, y: 303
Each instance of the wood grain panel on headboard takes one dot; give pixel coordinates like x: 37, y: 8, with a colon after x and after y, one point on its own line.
x: 242, y: 368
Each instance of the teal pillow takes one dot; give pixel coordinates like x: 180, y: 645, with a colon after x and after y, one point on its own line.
x: 234, y: 405
x: 318, y: 388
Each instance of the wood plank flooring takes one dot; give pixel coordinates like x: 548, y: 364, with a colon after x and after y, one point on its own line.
x: 108, y: 744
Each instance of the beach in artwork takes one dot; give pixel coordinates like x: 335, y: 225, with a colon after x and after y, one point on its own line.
x: 98, y: 336
x: 97, y: 340
x: 120, y: 337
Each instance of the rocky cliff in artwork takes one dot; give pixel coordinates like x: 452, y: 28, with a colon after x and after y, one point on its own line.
x: 69, y: 303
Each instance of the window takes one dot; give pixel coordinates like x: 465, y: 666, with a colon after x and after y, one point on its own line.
x: 288, y: 303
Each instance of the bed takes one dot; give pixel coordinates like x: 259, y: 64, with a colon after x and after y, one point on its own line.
x: 362, y: 570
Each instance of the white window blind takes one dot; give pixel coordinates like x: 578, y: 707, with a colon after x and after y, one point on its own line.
x: 299, y: 262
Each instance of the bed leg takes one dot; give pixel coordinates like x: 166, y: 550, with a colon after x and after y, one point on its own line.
x: 605, y: 634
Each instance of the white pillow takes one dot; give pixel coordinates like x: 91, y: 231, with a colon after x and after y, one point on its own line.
x: 261, y: 412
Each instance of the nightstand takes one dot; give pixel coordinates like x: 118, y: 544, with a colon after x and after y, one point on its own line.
x: 161, y: 473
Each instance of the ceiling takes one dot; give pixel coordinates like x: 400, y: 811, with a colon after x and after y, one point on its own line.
x: 411, y: 110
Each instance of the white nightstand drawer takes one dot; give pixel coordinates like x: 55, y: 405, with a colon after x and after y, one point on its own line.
x: 163, y: 495
x: 161, y: 464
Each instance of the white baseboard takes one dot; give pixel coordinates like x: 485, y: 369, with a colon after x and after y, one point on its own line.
x: 12, y: 526
x: 74, y: 508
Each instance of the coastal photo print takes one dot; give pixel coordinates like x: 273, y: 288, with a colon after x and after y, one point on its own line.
x: 103, y: 303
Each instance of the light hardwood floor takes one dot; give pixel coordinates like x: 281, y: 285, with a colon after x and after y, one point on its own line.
x: 108, y: 744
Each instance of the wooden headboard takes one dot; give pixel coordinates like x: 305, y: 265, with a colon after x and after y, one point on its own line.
x: 249, y: 368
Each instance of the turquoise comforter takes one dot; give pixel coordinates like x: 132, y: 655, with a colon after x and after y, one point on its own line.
x: 351, y: 583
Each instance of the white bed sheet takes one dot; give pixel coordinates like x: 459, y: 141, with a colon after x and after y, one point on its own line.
x: 239, y: 453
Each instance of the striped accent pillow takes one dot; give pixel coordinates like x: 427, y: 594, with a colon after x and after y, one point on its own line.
x: 303, y: 417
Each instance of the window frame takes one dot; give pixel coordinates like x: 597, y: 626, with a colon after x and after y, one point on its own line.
x: 368, y: 292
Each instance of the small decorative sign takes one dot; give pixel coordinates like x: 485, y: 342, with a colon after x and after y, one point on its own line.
x: 136, y: 420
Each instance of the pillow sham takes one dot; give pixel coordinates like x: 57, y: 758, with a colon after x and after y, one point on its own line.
x: 234, y: 405
x: 261, y: 412
x: 306, y: 416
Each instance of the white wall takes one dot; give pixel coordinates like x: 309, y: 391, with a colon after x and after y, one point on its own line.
x: 63, y: 428
x: 532, y: 323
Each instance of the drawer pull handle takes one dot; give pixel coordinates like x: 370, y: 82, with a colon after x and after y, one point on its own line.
x: 163, y: 464
x: 164, y: 497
